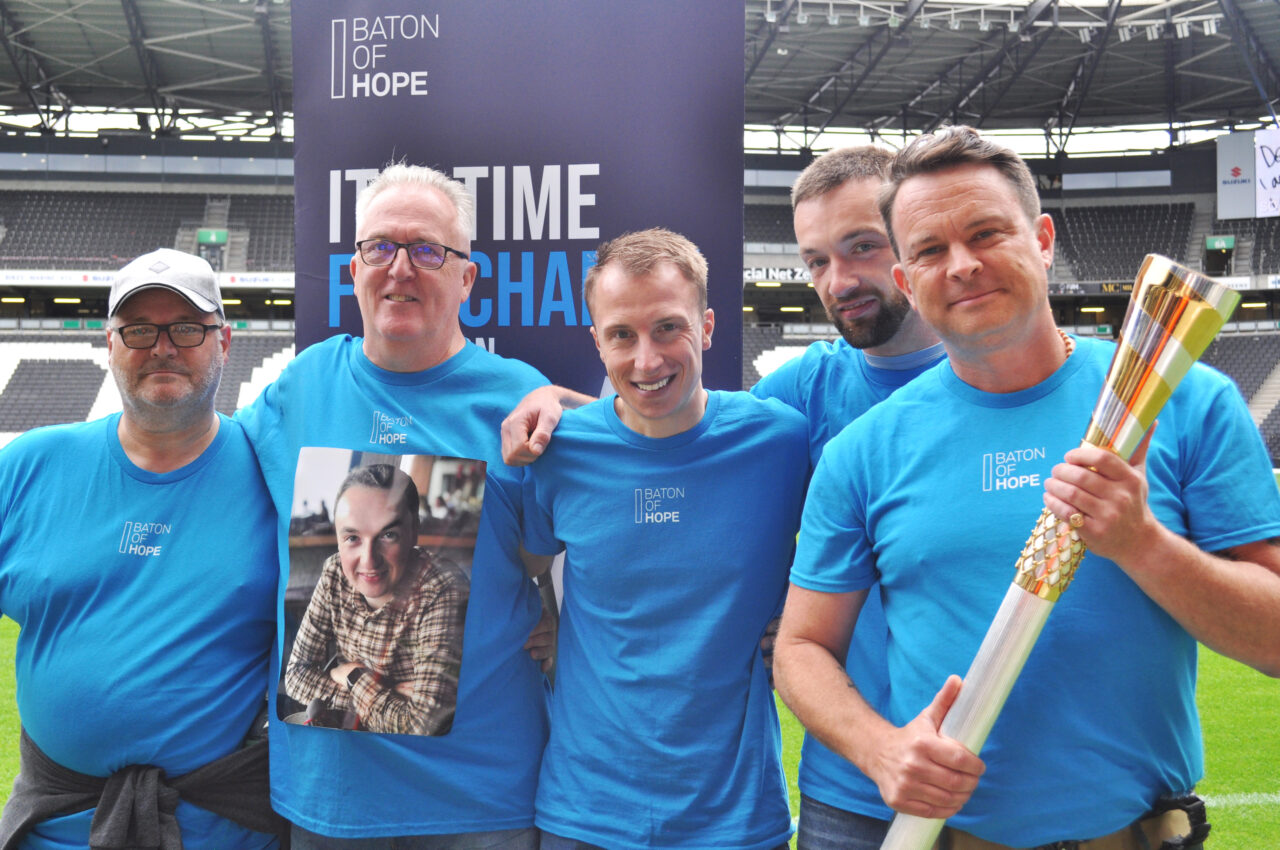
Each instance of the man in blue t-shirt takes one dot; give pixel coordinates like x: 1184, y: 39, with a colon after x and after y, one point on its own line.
x: 677, y: 510
x: 413, y: 386
x: 143, y: 656
x: 883, y: 344
x: 1181, y: 541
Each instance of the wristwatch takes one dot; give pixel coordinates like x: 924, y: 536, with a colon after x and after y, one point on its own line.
x: 354, y: 676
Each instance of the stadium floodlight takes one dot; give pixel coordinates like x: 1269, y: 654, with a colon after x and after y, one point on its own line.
x: 1086, y: 35
x: 1125, y: 34
x: 983, y: 24
x: 956, y: 23
x: 1153, y: 31
x: 769, y: 15
x: 802, y: 17
x: 1210, y: 26
x: 1182, y: 29
x: 832, y: 17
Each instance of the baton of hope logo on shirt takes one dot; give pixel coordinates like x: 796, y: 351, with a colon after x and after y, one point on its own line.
x: 139, y: 538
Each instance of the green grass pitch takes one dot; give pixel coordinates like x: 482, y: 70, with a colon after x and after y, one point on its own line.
x: 1240, y: 711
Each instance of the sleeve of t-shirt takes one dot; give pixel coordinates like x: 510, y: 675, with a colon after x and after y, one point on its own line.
x: 833, y: 554
x: 539, y: 524
x: 261, y: 416
x: 1229, y: 489
x: 263, y: 424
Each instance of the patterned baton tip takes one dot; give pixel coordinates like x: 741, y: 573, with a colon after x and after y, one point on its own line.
x: 1049, y: 558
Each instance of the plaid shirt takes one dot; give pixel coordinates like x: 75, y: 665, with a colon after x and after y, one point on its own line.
x: 416, y: 637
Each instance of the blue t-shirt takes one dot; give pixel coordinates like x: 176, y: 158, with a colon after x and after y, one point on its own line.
x: 147, y: 608
x: 833, y: 384
x: 664, y: 731
x: 933, y: 493
x: 481, y: 775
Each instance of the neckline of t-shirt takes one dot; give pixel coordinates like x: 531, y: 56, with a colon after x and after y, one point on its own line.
x: 361, y: 363
x: 895, y: 378
x: 662, y: 443
x: 910, y: 361
x: 1073, y: 364
x: 146, y: 476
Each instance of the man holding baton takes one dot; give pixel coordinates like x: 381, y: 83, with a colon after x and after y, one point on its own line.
x: 1101, y: 729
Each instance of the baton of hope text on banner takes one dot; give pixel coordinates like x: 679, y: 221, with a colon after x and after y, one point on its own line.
x: 1173, y: 315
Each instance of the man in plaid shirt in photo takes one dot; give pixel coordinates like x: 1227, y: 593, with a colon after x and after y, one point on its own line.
x: 394, y: 615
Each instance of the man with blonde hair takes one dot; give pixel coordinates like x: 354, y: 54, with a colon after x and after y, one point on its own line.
x: 676, y: 508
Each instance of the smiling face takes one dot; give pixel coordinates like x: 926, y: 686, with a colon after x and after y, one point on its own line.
x: 166, y: 380
x: 843, y: 244
x: 410, y: 314
x: 973, y: 265
x: 376, y: 539
x: 651, y: 331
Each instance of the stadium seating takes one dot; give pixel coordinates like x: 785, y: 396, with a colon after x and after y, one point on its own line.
x: 90, y: 230
x: 1106, y: 243
x: 269, y: 222
x: 97, y: 230
x: 1248, y: 359
x: 768, y: 223
x: 756, y: 340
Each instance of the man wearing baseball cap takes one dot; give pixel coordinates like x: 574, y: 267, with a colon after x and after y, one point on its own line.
x: 142, y: 660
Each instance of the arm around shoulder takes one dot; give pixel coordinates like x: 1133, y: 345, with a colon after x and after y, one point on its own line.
x: 527, y: 430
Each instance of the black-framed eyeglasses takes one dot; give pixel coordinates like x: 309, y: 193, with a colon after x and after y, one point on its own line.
x: 423, y: 255
x: 181, y: 334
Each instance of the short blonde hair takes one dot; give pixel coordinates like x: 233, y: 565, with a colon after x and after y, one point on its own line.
x: 641, y: 252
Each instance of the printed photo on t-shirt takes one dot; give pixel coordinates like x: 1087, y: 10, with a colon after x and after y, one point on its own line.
x: 380, y: 551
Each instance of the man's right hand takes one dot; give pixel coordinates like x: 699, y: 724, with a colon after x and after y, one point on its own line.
x: 526, y: 431
x: 920, y: 771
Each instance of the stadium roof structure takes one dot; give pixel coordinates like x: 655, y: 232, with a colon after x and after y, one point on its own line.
x: 186, y: 68
x: 1055, y: 65
x: 168, y: 67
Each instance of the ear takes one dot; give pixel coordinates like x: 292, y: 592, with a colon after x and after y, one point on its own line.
x: 111, y: 340
x: 595, y: 337
x: 224, y: 340
x: 355, y: 258
x: 904, y: 285
x: 1044, y: 238
x: 468, y: 279
x: 708, y: 325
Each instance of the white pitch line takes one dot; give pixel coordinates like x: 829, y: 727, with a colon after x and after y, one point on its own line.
x: 1230, y: 801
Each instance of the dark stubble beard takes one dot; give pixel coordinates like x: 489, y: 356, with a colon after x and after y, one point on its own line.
x: 879, y: 329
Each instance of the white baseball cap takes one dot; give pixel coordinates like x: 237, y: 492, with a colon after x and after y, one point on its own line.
x: 186, y: 274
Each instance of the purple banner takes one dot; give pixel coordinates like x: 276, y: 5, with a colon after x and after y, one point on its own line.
x: 571, y: 121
